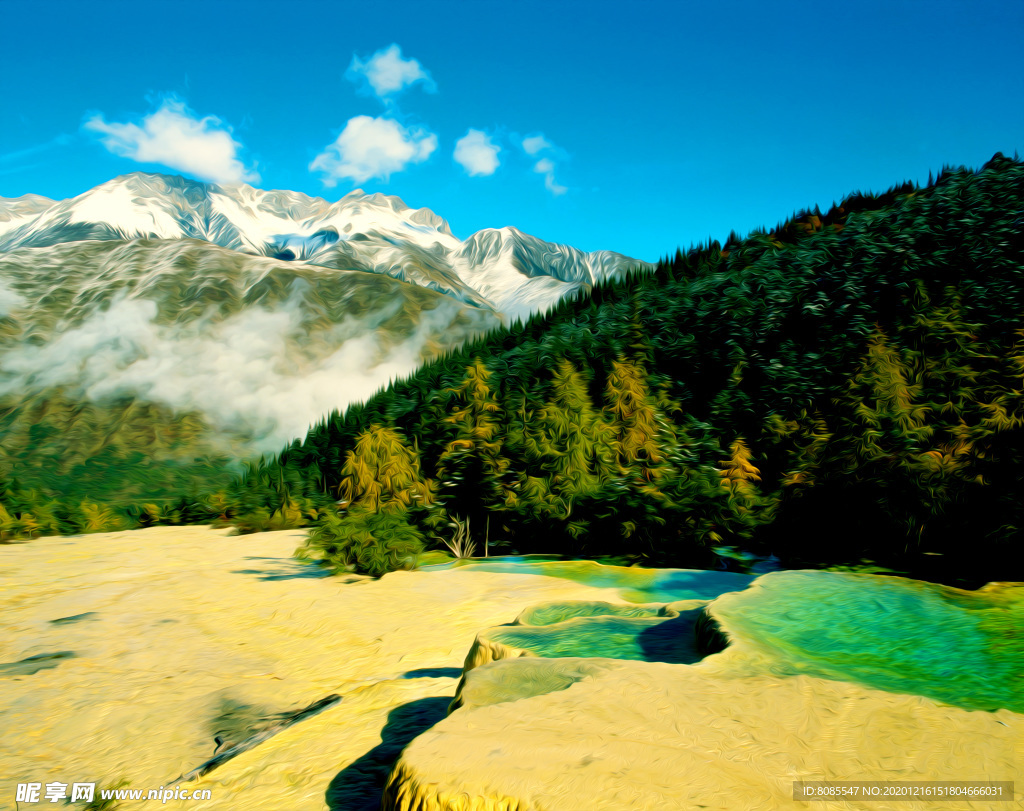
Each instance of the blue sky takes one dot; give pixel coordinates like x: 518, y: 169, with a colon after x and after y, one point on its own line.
x: 636, y: 129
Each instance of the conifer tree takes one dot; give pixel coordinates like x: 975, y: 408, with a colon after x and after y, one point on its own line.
x: 473, y: 472
x: 576, y: 442
x: 643, y: 439
x: 886, y: 405
x: 384, y: 496
x: 382, y: 471
x: 739, y: 475
x: 1005, y: 410
x: 961, y: 382
x: 741, y: 480
x: 634, y: 415
x: 801, y: 442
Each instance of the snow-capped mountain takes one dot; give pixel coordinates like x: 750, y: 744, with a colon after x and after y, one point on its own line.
x: 260, y: 311
x: 17, y: 211
x: 238, y: 217
x: 513, y: 273
x: 520, y: 274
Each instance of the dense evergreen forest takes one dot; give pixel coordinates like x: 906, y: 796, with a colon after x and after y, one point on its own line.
x: 845, y: 388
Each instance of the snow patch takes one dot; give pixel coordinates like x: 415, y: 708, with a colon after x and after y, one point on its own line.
x: 115, y: 205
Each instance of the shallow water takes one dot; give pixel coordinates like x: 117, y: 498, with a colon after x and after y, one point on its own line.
x: 889, y: 633
x: 631, y: 583
x: 826, y: 677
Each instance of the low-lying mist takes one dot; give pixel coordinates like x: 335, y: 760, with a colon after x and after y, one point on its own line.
x: 261, y: 353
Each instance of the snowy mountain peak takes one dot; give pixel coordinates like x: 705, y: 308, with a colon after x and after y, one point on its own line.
x: 504, y: 269
x: 25, y: 203
x: 16, y: 211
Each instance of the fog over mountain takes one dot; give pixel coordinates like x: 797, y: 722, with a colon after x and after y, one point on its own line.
x: 261, y: 310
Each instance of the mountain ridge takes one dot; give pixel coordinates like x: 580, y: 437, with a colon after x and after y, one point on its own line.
x: 376, y: 233
x: 258, y: 311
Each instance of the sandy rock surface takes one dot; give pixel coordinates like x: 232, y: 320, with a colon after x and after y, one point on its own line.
x: 642, y: 736
x: 122, y: 656
x: 826, y: 677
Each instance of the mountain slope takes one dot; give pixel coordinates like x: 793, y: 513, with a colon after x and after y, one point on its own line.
x: 222, y: 321
x: 257, y: 347
x: 848, y: 386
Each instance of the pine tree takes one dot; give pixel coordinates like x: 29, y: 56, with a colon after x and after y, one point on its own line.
x: 384, y: 494
x: 741, y: 480
x: 888, y: 418
x: 1004, y: 411
x: 739, y: 475
x: 879, y: 460
x: 576, y: 442
x: 802, y: 441
x: 960, y: 381
x: 472, y: 470
x: 382, y: 471
x: 634, y: 416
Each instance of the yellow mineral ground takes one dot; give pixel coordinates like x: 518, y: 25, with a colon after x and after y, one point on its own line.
x: 139, y: 656
x: 611, y: 734
x: 808, y: 689
x: 123, y: 655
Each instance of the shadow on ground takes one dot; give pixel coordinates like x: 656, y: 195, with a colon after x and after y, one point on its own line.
x: 672, y: 641
x: 434, y: 673
x: 33, y: 664
x: 286, y: 569
x: 359, y: 786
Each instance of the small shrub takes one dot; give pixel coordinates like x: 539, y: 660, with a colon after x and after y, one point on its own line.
x: 146, y: 515
x: 365, y: 542
x: 96, y: 517
x: 293, y: 514
x: 25, y: 525
x: 434, y: 557
x: 289, y: 516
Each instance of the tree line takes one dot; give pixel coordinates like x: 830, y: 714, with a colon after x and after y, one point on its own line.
x: 844, y: 387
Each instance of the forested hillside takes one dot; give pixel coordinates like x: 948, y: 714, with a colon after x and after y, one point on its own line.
x: 845, y: 386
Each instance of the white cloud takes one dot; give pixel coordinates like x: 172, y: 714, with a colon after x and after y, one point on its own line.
x: 386, y: 72
x: 477, y: 154
x: 177, y: 138
x: 546, y: 167
x: 258, y: 370
x: 535, y: 144
x: 373, y: 147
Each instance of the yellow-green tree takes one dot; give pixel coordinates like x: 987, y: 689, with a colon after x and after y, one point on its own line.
x: 1005, y: 410
x: 473, y: 473
x: 382, y: 471
x: 575, y: 441
x: 645, y: 444
x: 97, y: 517
x: 382, y: 490
x: 889, y: 418
x: 802, y: 442
x: 741, y: 480
x: 635, y: 417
